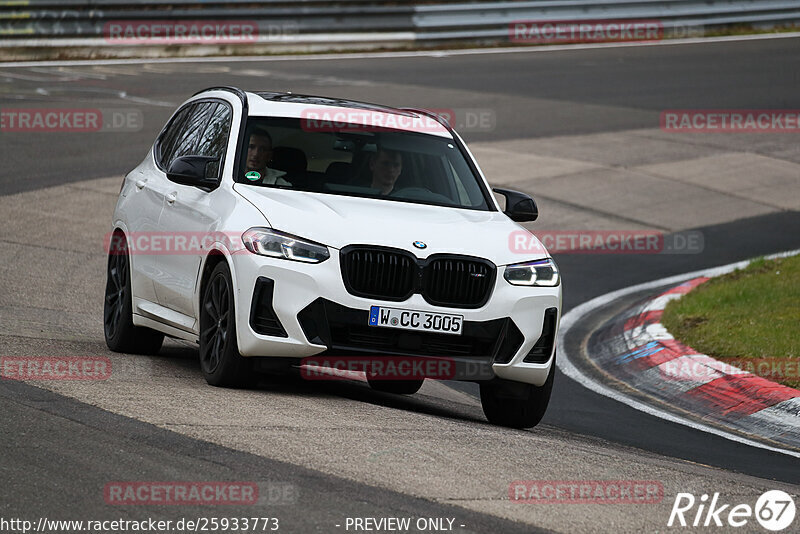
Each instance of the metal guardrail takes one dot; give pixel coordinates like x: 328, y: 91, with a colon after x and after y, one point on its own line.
x: 481, y: 20
x: 280, y: 21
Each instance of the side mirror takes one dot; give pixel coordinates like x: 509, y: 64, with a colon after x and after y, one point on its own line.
x: 519, y: 206
x: 192, y: 170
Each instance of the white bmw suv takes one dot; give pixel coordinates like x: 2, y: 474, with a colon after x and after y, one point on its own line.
x: 271, y: 228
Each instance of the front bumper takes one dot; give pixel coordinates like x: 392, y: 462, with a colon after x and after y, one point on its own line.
x: 317, y: 314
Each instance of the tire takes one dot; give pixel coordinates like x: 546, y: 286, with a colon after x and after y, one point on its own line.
x: 515, y: 404
x: 120, y: 333
x: 220, y: 361
x: 399, y: 387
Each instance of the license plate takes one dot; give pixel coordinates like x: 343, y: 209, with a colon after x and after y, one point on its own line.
x: 415, y: 320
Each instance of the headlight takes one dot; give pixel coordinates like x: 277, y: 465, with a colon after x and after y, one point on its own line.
x: 276, y: 244
x: 533, y: 273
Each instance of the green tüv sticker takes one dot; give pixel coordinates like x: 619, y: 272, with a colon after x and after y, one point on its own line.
x: 253, y: 176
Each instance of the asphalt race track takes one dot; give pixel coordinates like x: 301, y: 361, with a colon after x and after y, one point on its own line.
x: 577, y: 129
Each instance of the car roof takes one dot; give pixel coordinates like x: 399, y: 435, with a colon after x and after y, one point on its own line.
x: 339, y: 110
x: 327, y: 101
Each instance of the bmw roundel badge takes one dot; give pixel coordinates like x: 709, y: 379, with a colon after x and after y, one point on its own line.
x: 420, y: 244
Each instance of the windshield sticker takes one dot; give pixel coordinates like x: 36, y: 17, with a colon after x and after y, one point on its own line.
x: 253, y: 176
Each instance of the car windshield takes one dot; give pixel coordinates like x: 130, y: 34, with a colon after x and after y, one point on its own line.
x: 346, y: 159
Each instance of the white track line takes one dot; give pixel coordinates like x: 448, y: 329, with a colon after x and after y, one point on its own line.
x: 568, y: 368
x: 418, y: 53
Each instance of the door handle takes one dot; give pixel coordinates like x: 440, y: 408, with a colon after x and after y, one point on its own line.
x: 140, y: 184
x: 171, y: 197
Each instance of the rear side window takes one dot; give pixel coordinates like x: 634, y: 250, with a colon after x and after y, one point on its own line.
x: 197, y: 129
x: 214, y: 139
x: 193, y: 128
x: 166, y: 145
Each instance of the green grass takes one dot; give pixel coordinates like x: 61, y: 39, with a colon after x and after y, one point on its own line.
x: 749, y: 314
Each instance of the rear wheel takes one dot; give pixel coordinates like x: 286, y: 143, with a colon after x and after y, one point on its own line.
x: 400, y: 387
x: 120, y: 333
x: 220, y: 361
x: 515, y: 404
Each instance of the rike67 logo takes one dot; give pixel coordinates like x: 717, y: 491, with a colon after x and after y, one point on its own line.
x: 774, y: 510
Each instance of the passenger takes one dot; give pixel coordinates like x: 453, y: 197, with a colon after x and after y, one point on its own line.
x: 385, y: 166
x: 259, y: 155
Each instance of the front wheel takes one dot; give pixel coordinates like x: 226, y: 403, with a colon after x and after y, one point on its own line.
x: 220, y: 361
x: 515, y: 404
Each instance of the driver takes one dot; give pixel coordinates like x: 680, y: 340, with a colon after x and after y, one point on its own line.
x: 259, y: 154
x: 385, y: 166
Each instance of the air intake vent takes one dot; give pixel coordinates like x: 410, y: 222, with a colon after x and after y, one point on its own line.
x: 543, y: 348
x: 509, y: 343
x: 263, y: 319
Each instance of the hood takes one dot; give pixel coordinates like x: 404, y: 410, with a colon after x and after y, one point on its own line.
x: 338, y: 221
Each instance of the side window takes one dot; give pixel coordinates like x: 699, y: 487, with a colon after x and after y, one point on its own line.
x: 166, y: 145
x: 214, y: 138
x: 193, y: 127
